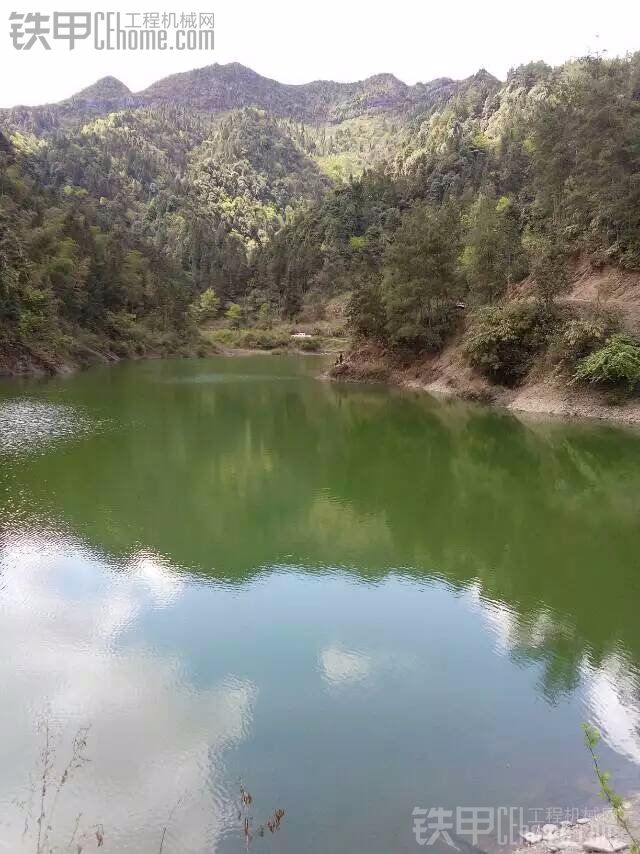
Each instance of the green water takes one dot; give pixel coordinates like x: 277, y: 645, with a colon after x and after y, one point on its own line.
x: 354, y: 600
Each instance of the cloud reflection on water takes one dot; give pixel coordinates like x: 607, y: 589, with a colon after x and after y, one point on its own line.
x: 71, y: 651
x: 611, y: 689
x: 155, y: 738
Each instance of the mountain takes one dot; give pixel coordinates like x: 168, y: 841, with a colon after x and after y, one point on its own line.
x: 223, y: 87
x: 107, y: 93
x: 219, y: 88
x: 119, y: 211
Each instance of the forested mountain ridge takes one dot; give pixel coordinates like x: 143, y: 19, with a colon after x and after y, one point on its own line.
x: 219, y: 88
x: 271, y: 199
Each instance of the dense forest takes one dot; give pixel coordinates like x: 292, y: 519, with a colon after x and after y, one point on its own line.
x: 125, y: 219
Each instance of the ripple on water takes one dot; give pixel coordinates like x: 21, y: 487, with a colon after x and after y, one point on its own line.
x: 232, y: 378
x: 26, y: 425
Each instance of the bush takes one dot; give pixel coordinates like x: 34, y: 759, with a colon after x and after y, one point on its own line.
x: 223, y: 337
x: 581, y: 336
x: 251, y: 339
x: 262, y: 339
x: 502, y: 341
x: 616, y: 364
x: 234, y: 315
x: 309, y: 345
x: 205, y: 307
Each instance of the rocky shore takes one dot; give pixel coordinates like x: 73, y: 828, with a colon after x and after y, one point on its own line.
x: 599, y: 834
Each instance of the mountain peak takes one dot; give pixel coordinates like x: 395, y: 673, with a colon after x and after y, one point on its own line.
x: 482, y: 76
x: 106, y: 87
x: 385, y: 78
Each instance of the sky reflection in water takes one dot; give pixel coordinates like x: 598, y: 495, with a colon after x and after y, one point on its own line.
x: 225, y: 582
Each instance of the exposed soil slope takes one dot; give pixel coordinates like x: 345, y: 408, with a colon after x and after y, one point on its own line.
x: 543, y: 391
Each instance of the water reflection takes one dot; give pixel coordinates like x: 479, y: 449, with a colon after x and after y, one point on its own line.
x: 611, y: 688
x: 344, y: 667
x: 300, y: 584
x: 613, y: 697
x: 31, y: 425
x: 162, y: 735
x: 155, y: 738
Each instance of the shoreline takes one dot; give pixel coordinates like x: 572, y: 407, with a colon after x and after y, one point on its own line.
x: 588, y: 834
x: 540, y: 397
x: 446, y: 375
x: 30, y: 368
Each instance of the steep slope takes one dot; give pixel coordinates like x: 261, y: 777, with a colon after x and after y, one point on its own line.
x: 76, y: 283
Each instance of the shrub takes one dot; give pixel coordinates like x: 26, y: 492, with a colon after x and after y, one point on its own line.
x: 309, y: 345
x: 581, y: 336
x: 223, y: 337
x: 262, y: 339
x: 234, y: 315
x: 502, y: 341
x: 617, y: 364
x: 206, y: 306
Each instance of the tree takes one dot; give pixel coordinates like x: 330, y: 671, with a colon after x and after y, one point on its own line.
x: 234, y: 315
x: 492, y: 254
x: 206, y: 306
x: 365, y: 311
x: 263, y: 316
x: 421, y: 277
x: 549, y: 271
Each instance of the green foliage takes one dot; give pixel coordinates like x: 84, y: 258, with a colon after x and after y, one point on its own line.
x: 206, y: 306
x: 607, y: 792
x: 421, y: 281
x: 234, y: 315
x: 64, y: 273
x: 617, y: 364
x: 549, y: 270
x: 250, y: 339
x: 365, y: 311
x: 541, y: 168
x: 262, y: 339
x: 117, y: 211
x: 502, y: 341
x: 584, y: 137
x: 580, y: 336
x: 309, y: 345
x: 493, y: 255
x: 263, y: 316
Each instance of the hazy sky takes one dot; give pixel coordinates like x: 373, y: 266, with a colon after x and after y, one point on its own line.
x: 295, y: 42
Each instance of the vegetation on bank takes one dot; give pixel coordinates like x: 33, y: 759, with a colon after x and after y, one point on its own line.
x: 127, y: 227
x: 256, y: 328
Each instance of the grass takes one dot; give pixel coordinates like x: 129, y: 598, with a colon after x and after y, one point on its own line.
x: 277, y: 339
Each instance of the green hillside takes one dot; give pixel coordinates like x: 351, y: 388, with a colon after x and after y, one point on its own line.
x: 119, y: 209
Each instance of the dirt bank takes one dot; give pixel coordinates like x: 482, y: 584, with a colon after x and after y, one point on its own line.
x: 448, y: 374
x: 25, y: 363
x: 543, y: 391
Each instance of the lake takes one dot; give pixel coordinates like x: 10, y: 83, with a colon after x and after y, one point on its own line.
x: 350, y: 600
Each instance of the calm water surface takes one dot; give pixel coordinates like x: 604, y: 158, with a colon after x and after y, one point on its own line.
x: 354, y: 600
